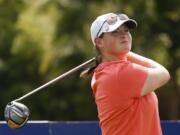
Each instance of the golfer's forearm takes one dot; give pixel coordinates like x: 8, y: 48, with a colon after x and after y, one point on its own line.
x: 155, y: 70
x: 135, y: 58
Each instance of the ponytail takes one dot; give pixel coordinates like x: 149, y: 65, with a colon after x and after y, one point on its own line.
x: 90, y: 70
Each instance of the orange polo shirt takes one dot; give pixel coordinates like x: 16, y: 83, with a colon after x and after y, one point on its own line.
x: 121, y: 109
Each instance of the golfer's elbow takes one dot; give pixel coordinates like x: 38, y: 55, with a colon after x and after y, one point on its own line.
x: 166, y: 76
x: 156, y: 78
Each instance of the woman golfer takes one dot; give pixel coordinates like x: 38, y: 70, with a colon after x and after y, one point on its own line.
x: 123, y: 82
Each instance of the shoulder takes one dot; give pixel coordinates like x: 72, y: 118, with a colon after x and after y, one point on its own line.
x: 112, y: 66
x: 132, y: 71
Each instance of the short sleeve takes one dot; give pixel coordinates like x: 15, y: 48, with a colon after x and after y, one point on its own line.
x: 131, y: 80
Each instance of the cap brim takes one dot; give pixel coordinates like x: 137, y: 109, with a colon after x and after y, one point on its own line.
x: 130, y: 23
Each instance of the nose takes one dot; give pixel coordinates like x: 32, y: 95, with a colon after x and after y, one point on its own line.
x: 123, y: 34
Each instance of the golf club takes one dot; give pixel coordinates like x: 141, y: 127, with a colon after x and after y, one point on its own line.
x: 16, y: 114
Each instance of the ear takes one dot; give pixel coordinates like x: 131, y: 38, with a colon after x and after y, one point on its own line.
x: 99, y: 42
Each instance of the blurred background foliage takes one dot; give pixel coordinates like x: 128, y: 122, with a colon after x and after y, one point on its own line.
x: 41, y: 39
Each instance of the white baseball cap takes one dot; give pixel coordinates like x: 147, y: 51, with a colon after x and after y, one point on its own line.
x: 109, y: 22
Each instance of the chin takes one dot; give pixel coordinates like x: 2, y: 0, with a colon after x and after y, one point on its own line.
x: 124, y: 50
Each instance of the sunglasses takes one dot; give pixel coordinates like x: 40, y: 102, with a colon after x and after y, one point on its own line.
x: 111, y: 20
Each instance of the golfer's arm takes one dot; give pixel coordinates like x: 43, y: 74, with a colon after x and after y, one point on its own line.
x: 157, y: 74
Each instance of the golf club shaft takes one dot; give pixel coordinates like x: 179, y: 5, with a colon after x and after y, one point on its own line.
x: 56, y: 79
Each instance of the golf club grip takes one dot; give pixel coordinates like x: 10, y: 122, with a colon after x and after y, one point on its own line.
x: 56, y: 79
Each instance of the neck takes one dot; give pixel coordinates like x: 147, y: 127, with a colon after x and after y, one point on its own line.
x: 110, y: 57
